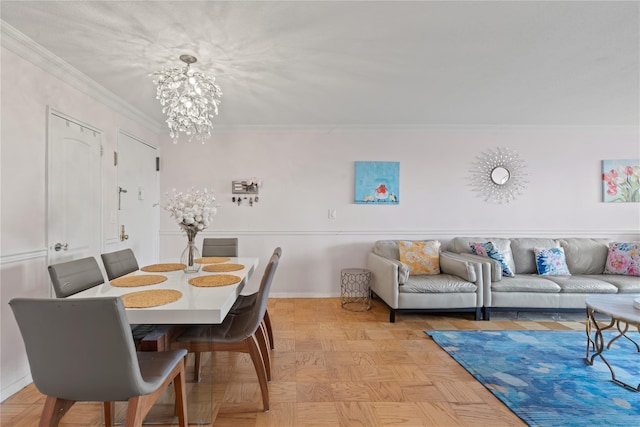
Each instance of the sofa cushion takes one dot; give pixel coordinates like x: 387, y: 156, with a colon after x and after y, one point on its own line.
x: 387, y: 249
x: 584, y: 255
x: 625, y: 284
x: 623, y: 258
x: 525, y: 283
x: 584, y: 285
x: 523, y: 256
x: 422, y: 257
x: 441, y: 283
x: 500, y: 254
x: 551, y: 262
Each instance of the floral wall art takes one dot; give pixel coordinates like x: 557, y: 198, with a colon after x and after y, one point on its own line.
x: 621, y: 180
x: 377, y: 183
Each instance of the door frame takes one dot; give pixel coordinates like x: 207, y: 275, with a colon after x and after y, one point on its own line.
x: 49, y: 203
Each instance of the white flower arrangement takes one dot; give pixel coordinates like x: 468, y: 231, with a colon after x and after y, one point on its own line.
x: 193, y: 210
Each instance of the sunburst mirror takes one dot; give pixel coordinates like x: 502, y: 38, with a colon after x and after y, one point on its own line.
x: 498, y: 175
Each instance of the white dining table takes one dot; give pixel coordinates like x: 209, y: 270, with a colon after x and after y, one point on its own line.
x: 198, y: 305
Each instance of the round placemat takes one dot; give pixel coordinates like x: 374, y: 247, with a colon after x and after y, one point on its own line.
x: 152, y: 298
x: 215, y: 280
x: 137, y: 280
x: 157, y: 268
x: 212, y: 259
x: 218, y: 268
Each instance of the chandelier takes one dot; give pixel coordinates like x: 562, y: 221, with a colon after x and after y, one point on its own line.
x: 189, y: 99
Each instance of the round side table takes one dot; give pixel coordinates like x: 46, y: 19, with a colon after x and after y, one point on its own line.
x: 355, y: 289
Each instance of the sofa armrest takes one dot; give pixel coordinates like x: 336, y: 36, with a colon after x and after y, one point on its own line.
x: 471, y: 270
x: 450, y: 263
x: 385, y: 278
x: 494, y: 267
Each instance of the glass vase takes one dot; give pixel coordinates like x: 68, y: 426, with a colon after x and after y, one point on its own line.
x: 190, y: 254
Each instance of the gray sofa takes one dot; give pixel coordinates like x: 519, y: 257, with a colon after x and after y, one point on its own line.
x: 457, y: 288
x: 529, y: 291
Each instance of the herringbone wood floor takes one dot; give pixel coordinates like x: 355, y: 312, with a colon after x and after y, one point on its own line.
x: 333, y: 367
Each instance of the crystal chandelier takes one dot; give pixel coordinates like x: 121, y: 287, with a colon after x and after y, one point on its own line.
x: 189, y: 99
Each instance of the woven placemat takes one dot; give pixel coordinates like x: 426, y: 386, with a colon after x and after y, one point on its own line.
x: 211, y: 259
x: 156, y: 268
x: 215, y: 280
x: 137, y: 280
x: 152, y: 298
x: 218, y: 268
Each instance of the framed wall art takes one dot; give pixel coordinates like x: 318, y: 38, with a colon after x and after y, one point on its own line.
x: 621, y: 181
x: 377, y: 183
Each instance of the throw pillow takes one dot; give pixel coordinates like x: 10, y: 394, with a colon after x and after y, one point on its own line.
x: 623, y: 258
x: 489, y: 250
x: 422, y: 257
x: 551, y: 262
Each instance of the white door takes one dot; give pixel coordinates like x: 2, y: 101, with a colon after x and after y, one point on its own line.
x: 139, y: 211
x: 74, y: 191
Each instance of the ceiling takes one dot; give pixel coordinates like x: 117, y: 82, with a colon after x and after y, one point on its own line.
x: 340, y: 64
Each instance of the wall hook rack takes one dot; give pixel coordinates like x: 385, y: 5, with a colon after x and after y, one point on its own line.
x: 250, y: 186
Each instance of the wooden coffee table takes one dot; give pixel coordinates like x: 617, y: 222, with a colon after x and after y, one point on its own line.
x: 619, y: 307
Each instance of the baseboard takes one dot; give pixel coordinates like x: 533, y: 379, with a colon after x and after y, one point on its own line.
x: 303, y: 295
x: 12, y: 389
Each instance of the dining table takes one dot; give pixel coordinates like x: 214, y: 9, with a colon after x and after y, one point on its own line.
x: 196, y: 305
x: 208, y: 304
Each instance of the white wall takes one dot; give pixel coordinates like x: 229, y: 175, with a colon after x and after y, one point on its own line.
x: 306, y: 173
x: 27, y: 90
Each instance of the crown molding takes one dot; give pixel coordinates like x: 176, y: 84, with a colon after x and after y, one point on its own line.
x: 31, y: 51
x: 441, y: 128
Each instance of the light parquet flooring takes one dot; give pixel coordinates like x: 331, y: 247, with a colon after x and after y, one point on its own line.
x: 333, y: 367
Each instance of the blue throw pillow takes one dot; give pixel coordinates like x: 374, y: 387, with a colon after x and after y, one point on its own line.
x: 489, y: 249
x: 551, y: 262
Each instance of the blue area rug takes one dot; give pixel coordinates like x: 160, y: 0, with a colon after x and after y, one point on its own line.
x: 543, y: 378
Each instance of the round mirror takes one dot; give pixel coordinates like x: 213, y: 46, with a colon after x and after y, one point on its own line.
x: 500, y: 175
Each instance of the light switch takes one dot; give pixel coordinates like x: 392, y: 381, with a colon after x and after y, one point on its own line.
x: 332, y: 214
x: 140, y: 193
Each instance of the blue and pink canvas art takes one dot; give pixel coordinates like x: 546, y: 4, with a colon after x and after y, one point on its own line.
x: 377, y: 183
x: 621, y: 180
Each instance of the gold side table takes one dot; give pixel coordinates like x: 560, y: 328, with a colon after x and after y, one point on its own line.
x: 355, y: 289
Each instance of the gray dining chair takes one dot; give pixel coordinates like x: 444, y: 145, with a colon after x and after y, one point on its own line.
x: 242, y: 332
x: 245, y: 301
x: 75, y: 276
x: 119, y: 263
x: 81, y: 349
x: 220, y: 246
x: 212, y: 247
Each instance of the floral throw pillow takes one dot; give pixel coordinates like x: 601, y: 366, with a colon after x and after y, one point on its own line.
x: 422, y: 257
x: 551, y: 262
x: 623, y: 258
x: 489, y: 250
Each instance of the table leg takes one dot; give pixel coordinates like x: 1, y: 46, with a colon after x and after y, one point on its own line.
x: 598, y: 342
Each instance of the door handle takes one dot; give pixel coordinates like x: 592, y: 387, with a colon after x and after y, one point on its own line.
x: 123, y: 235
x: 120, y: 191
x: 59, y: 246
